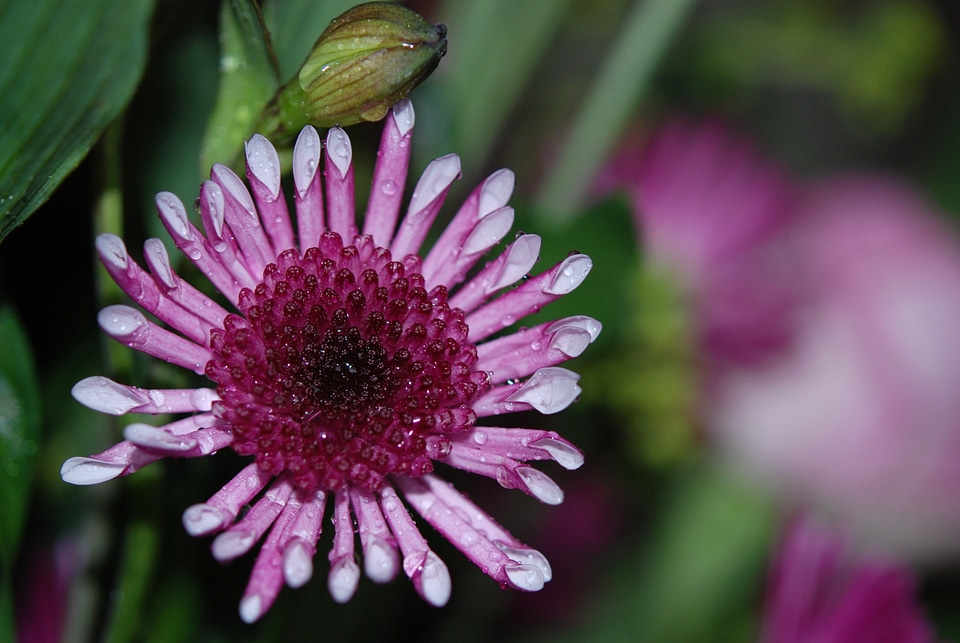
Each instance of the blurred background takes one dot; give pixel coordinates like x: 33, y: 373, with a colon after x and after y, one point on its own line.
x: 768, y: 192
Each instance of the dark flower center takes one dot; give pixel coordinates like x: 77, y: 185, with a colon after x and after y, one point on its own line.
x: 343, y: 368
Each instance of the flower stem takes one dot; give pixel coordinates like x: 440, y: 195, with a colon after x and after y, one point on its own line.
x: 108, y: 217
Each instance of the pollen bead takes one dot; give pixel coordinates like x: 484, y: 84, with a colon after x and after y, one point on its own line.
x: 344, y: 369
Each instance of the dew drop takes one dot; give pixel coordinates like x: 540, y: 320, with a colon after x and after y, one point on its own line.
x: 389, y: 188
x: 480, y: 437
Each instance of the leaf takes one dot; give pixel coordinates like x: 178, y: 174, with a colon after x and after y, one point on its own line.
x: 19, y: 432
x: 19, y: 428
x: 67, y: 69
x: 650, y: 27
x: 697, y: 575
x: 498, y: 44
x: 249, y: 77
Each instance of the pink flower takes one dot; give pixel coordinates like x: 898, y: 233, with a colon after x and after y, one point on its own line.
x: 861, y: 412
x: 707, y: 208
x: 820, y: 591
x: 355, y: 363
x: 826, y: 321
x: 43, y: 589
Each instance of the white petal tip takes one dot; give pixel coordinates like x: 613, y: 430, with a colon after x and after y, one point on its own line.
x: 263, y: 163
x: 404, y: 116
x: 436, y: 179
x: 582, y: 322
x: 83, y: 471
x: 233, y: 185
x: 524, y: 577
x: 231, y: 544
x: 549, y: 390
x: 212, y: 205
x: 521, y: 256
x: 155, y: 439
x: 488, y: 232
x: 563, y: 453
x: 251, y: 608
x: 571, y: 341
x: 203, y: 519
x: 380, y: 562
x: 339, y: 150
x: 155, y: 254
x: 432, y: 580
x: 306, y: 158
x: 540, y: 485
x: 106, y: 396
x: 496, y: 191
x: 173, y: 213
x: 528, y: 556
x: 121, y: 322
x: 297, y: 563
x: 570, y: 274
x: 343, y: 579
x: 112, y: 251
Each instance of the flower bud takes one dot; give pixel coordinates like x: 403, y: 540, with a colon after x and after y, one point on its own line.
x: 366, y: 60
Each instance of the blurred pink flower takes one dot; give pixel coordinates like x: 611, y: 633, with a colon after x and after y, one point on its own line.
x: 826, y: 318
x: 820, y: 591
x: 708, y: 208
x: 861, y: 412
x: 43, y: 590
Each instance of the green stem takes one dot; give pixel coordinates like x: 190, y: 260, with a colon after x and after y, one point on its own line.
x: 621, y: 81
x: 136, y: 572
x: 108, y: 218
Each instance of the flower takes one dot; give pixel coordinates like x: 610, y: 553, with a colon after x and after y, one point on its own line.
x: 860, y: 412
x: 42, y: 590
x: 819, y: 590
x: 353, y: 366
x: 823, y: 322
x: 708, y: 211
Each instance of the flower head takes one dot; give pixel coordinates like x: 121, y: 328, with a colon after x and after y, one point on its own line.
x: 352, y: 365
x: 708, y: 210
x: 819, y: 590
x: 860, y: 413
x: 824, y: 319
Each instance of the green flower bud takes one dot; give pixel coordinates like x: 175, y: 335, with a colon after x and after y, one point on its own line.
x: 366, y: 60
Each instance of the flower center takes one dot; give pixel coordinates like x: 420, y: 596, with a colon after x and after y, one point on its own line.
x: 343, y: 368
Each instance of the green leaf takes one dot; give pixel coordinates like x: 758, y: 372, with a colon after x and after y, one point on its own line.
x: 249, y: 77
x: 698, y: 576
x: 19, y: 433
x: 649, y: 29
x: 67, y: 69
x: 498, y: 44
x: 137, y: 566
